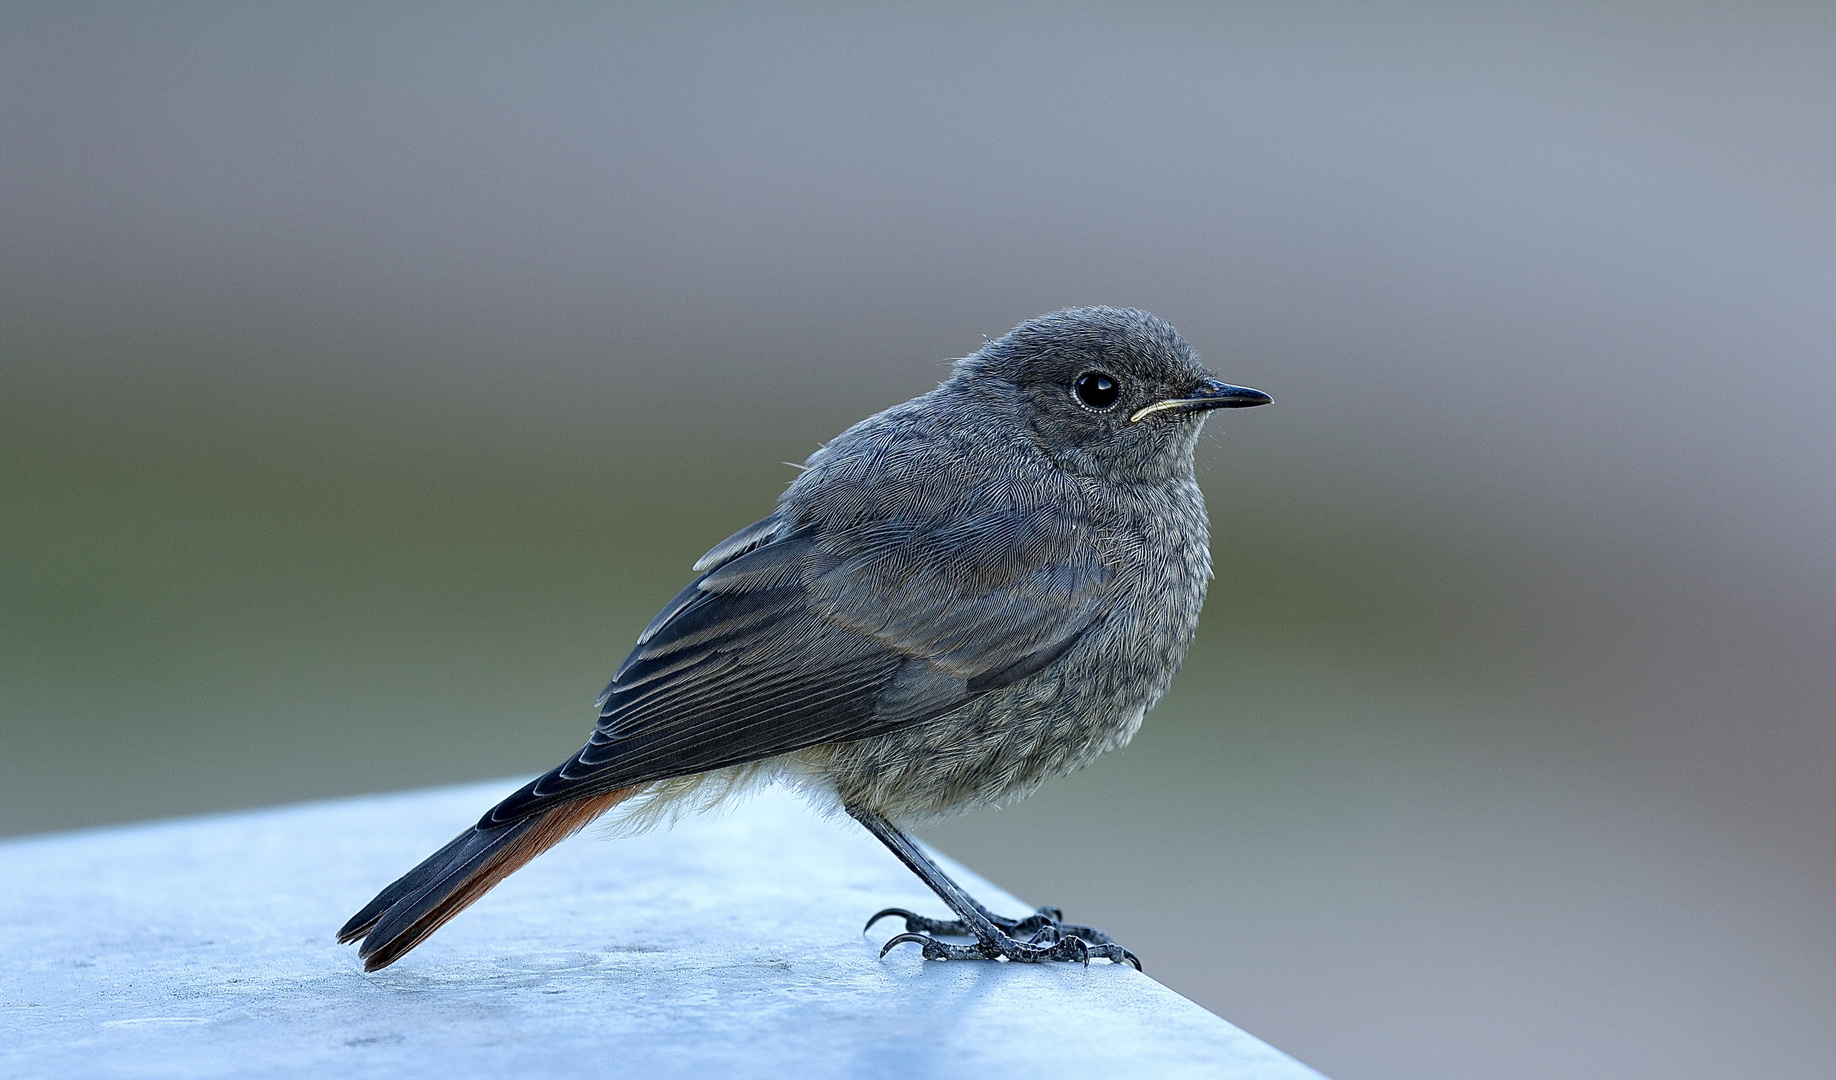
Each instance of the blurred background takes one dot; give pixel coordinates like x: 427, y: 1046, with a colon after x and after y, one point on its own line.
x: 368, y: 376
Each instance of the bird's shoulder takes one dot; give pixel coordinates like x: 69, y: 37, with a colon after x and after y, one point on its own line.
x: 931, y: 457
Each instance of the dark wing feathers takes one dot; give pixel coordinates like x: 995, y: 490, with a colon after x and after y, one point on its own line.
x: 759, y: 532
x: 976, y: 594
x: 794, y: 636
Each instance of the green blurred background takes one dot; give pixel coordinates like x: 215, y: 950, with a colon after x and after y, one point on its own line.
x: 369, y: 376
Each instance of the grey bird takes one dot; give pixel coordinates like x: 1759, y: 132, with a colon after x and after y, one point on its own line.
x: 958, y: 599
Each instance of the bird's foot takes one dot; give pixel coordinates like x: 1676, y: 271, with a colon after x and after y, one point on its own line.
x: 1000, y: 946
x: 1048, y: 938
x: 1039, y: 920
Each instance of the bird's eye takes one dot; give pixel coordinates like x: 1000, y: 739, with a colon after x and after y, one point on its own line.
x: 1096, y: 389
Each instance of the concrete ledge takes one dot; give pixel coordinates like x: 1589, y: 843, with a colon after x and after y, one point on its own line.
x: 729, y: 947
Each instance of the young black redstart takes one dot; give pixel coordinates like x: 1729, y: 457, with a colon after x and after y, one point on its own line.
x: 958, y: 599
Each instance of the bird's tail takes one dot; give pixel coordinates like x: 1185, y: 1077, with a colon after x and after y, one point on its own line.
x: 450, y: 879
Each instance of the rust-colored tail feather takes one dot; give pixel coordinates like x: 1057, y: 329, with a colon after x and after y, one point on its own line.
x: 458, y: 874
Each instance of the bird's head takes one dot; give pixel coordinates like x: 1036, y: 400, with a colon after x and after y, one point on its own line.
x: 1107, y: 392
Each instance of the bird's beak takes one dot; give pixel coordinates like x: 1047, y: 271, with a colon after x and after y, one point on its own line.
x: 1212, y: 394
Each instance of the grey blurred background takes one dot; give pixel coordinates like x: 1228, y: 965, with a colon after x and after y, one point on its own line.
x: 369, y: 376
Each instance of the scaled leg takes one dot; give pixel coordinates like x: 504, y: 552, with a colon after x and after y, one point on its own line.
x: 995, y: 936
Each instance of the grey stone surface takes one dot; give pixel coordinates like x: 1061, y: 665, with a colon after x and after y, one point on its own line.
x: 730, y: 946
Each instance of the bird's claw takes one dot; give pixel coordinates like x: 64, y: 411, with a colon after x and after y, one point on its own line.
x: 1041, y: 919
x: 1062, y: 947
x: 1046, y: 938
x: 1044, y: 919
x: 933, y: 949
x: 911, y: 918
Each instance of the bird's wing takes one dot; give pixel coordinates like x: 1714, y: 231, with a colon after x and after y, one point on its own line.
x: 794, y: 636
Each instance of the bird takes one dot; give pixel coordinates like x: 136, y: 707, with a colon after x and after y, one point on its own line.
x: 956, y: 600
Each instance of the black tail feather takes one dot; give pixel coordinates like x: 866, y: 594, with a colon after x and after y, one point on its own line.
x: 449, y: 880
x: 412, y: 881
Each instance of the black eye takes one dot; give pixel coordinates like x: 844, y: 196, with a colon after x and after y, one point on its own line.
x: 1096, y: 389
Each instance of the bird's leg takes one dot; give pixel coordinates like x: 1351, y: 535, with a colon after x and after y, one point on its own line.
x: 1045, y: 918
x: 995, y: 937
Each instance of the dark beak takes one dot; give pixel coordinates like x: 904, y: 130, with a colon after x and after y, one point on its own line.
x: 1212, y: 394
